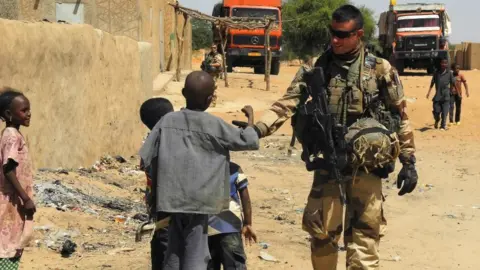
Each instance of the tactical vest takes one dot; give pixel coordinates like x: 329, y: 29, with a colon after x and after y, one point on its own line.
x: 348, y: 84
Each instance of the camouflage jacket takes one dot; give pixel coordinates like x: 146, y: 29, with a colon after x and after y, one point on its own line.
x: 383, y: 75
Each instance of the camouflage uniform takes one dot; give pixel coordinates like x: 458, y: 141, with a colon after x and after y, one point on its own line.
x: 215, y: 58
x: 323, y: 216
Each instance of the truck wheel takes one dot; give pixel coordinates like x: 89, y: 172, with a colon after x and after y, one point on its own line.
x: 400, y: 66
x: 259, y: 70
x: 275, y: 67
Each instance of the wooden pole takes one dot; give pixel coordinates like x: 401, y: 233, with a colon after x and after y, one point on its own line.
x: 223, y: 43
x: 180, y: 46
x: 268, y: 53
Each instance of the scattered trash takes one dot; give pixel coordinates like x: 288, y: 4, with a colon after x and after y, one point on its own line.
x: 119, y: 250
x: 90, y: 211
x: 89, y: 247
x: 429, y: 186
x: 267, y: 257
x: 61, y: 171
x: 116, y: 205
x: 44, y: 228
x: 120, y: 219
x: 264, y: 245
x: 299, y: 210
x: 68, y: 248
x: 396, y: 258
x: 38, y: 243
x: 141, y: 216
x: 451, y: 216
x: 120, y: 159
x: 281, y: 216
x: 116, y: 184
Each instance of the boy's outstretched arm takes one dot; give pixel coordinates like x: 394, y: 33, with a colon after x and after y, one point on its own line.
x: 247, y: 230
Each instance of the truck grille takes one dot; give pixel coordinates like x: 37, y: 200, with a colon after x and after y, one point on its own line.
x: 253, y: 40
x: 421, y: 43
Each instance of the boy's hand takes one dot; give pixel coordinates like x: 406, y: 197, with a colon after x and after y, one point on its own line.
x: 29, y: 207
x: 249, y: 234
x: 248, y: 111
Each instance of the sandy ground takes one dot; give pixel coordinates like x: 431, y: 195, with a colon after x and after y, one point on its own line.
x: 436, y: 227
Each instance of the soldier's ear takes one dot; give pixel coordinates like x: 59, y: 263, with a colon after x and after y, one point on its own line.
x: 360, y: 33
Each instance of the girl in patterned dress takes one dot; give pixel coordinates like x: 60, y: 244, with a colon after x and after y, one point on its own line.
x: 16, y: 180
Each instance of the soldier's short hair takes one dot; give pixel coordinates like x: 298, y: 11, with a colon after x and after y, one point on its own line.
x: 348, y: 13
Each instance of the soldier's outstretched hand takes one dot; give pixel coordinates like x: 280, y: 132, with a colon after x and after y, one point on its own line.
x: 407, y: 179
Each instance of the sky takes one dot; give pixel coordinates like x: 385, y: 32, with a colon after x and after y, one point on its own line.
x: 462, y: 13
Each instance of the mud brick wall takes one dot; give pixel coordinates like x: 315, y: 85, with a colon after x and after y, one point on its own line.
x: 85, y: 88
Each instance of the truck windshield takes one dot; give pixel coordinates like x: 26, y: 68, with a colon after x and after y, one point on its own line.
x: 254, y: 13
x: 409, y: 22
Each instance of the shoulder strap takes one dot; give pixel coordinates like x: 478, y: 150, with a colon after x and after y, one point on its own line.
x: 324, y: 62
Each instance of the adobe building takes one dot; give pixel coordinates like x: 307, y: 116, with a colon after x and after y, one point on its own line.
x: 151, y: 21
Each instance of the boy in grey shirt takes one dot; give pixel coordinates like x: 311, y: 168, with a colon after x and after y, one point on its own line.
x: 192, y: 150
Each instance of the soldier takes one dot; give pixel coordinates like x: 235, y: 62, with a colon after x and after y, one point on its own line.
x: 352, y: 74
x: 214, y: 68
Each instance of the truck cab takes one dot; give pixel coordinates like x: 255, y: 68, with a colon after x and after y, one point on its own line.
x: 246, y: 48
x: 415, y: 35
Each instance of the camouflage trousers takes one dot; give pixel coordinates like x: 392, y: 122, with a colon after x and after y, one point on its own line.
x: 214, y: 97
x: 324, y: 220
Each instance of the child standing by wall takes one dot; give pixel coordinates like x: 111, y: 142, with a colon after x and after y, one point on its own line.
x: 193, y: 151
x: 151, y: 112
x: 16, y: 180
x: 226, y: 229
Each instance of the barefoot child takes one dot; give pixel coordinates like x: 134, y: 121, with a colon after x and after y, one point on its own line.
x: 226, y: 229
x: 16, y: 180
x: 193, y: 151
x: 151, y: 112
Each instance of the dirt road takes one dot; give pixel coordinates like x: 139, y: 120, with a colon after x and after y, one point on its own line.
x: 436, y: 227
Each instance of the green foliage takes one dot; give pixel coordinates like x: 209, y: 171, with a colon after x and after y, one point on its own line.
x: 201, y: 34
x: 306, y: 22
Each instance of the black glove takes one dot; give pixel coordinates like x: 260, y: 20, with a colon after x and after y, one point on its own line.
x: 242, y: 124
x: 408, y: 177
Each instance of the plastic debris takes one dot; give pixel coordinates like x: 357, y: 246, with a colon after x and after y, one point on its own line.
x: 68, y: 248
x: 141, y: 216
x: 120, y: 159
x: 120, y: 219
x: 264, y: 245
x: 267, y: 257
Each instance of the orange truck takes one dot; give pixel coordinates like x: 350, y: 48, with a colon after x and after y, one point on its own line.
x: 414, y: 35
x: 246, y: 48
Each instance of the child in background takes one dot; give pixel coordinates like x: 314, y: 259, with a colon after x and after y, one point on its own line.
x: 457, y: 95
x: 193, y: 151
x: 151, y: 112
x: 226, y: 229
x: 16, y: 180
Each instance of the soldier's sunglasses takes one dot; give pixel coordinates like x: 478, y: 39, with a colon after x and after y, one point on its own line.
x: 341, y: 34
